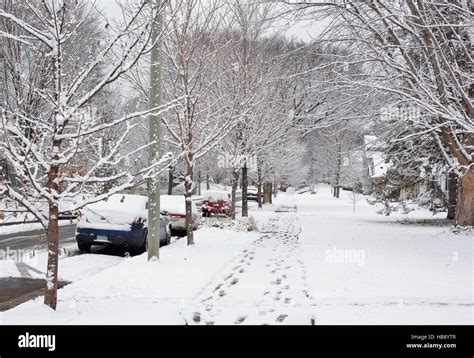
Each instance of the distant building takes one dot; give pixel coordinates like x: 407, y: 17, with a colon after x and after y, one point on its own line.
x: 375, y: 166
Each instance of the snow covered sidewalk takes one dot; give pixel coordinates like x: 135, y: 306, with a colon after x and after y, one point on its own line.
x: 265, y: 284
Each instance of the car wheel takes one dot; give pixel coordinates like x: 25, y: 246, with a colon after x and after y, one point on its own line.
x: 144, y: 247
x: 84, y: 247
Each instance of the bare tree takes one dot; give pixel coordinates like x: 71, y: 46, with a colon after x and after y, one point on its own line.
x: 47, y: 143
x: 420, y: 53
x: 252, y: 85
x: 192, y: 71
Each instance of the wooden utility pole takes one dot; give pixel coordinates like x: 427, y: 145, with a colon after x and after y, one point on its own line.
x: 155, y: 135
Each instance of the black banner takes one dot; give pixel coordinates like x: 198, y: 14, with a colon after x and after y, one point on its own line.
x: 448, y: 341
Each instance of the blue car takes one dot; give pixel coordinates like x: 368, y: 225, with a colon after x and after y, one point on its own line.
x: 119, y: 221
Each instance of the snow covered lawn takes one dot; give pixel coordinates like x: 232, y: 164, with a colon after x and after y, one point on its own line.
x: 365, y: 268
x: 322, y: 264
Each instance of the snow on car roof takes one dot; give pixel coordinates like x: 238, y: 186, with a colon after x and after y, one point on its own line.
x: 216, y: 195
x: 122, y: 202
x: 175, y: 204
x: 118, y: 209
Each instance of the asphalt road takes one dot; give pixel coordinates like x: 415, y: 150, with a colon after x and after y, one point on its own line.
x: 14, y: 291
x: 32, y: 239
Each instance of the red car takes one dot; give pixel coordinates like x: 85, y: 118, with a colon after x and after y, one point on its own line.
x: 216, y: 202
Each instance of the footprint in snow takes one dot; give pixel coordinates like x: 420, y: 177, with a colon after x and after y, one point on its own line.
x: 240, y: 320
x: 281, y: 318
x: 197, y: 317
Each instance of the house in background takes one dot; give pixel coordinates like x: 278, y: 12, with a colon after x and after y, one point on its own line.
x: 375, y: 167
x: 421, y: 188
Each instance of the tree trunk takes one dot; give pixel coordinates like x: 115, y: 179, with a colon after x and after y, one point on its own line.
x: 259, y: 194
x: 235, y: 183
x: 259, y: 185
x: 245, y: 209
x: 452, y: 194
x: 50, y: 297
x: 170, y: 181
x: 188, y: 186
x: 208, y: 184
x: 199, y: 183
x: 465, y: 200
x: 267, y: 193
x: 51, y: 292
x: 337, y: 178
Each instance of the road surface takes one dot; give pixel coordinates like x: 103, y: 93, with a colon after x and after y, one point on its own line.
x: 35, y: 238
x: 18, y: 290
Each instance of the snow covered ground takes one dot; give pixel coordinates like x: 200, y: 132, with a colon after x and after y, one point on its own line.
x: 32, y: 264
x: 322, y: 264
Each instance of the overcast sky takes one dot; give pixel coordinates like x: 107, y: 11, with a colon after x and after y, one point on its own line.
x: 303, y: 30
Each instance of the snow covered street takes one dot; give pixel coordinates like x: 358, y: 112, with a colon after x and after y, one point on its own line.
x: 322, y: 264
